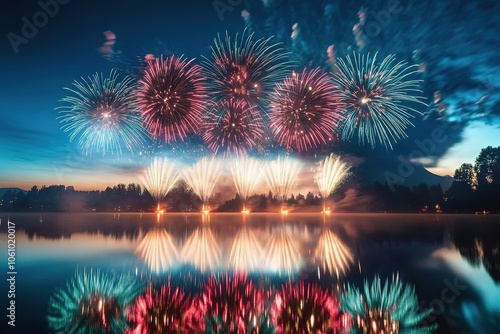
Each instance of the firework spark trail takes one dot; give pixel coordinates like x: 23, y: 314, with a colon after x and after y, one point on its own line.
x: 92, y: 302
x: 376, y: 98
x: 202, y: 177
x: 159, y: 178
x: 246, y: 253
x: 103, y: 115
x: 331, y: 172
x: 202, y: 250
x: 305, y: 111
x: 232, y: 126
x: 172, y: 98
x: 246, y: 173
x: 158, y: 250
x: 333, y: 254
x: 281, y: 176
x: 244, y: 68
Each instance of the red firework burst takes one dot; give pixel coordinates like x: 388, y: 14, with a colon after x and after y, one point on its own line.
x: 305, y: 308
x: 304, y: 110
x: 232, y: 304
x: 232, y: 126
x: 166, y: 311
x: 171, y: 96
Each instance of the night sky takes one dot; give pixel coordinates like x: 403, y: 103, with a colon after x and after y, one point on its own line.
x: 35, y: 151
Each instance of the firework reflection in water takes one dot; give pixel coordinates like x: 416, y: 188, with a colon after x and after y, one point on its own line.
x: 168, y: 310
x: 306, y: 308
x: 282, y: 253
x: 391, y: 308
x: 92, y: 302
x: 157, y: 248
x: 234, y: 304
x: 202, y: 250
x: 333, y: 255
x: 246, y: 253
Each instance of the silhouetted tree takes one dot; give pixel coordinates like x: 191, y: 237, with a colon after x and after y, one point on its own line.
x: 487, y: 170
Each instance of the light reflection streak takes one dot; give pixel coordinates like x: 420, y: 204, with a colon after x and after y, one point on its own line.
x: 282, y: 254
x: 246, y: 253
x: 202, y: 250
x: 332, y: 254
x: 158, y: 249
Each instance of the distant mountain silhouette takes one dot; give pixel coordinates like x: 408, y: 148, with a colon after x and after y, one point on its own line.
x: 16, y: 190
x: 387, y: 170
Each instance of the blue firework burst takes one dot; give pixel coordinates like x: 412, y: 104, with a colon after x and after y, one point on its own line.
x: 377, y: 98
x: 102, y: 113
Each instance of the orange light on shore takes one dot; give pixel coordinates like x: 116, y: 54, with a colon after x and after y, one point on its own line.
x: 245, y: 211
x: 284, y: 211
x: 205, y: 209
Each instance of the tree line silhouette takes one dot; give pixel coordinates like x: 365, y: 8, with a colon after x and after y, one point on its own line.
x: 475, y: 189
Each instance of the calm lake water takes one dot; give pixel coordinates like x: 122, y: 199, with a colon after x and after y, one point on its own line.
x: 452, y: 260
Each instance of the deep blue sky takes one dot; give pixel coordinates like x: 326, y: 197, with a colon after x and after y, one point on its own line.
x: 34, y: 150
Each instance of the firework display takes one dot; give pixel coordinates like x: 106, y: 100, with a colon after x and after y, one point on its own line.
x: 171, y: 96
x: 305, y: 308
x: 245, y: 68
x: 157, y: 248
x: 246, y: 173
x: 232, y: 126
x: 305, y: 111
x: 168, y: 310
x: 159, y: 178
x: 330, y: 173
x: 391, y: 308
x: 281, y: 176
x: 232, y: 304
x: 103, y: 115
x: 376, y: 98
x: 92, y: 302
x: 202, y: 177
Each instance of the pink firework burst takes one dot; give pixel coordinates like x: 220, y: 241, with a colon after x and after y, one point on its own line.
x: 232, y: 126
x: 171, y: 97
x: 168, y: 310
x: 232, y: 304
x: 304, y: 110
x: 306, y: 308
